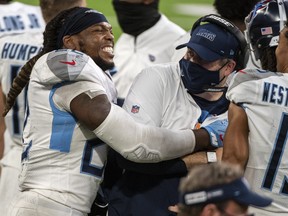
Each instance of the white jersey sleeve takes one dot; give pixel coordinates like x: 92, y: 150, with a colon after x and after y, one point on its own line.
x: 264, y: 97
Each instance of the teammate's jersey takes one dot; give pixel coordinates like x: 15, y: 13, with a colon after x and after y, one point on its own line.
x: 17, y: 18
x: 62, y: 159
x: 15, y: 51
x: 132, y: 54
x: 264, y: 97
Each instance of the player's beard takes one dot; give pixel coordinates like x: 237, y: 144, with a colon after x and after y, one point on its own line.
x: 103, y: 64
x: 98, y: 60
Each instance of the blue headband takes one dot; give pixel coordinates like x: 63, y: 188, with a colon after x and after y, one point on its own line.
x: 78, y: 21
x: 237, y: 190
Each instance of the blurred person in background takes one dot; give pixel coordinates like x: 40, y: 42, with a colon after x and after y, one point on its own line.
x: 21, y: 28
x: 235, y: 11
x: 15, y: 18
x: 217, y: 189
x: 146, y: 40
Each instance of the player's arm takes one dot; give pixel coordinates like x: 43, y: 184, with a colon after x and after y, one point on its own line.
x: 236, y: 146
x: 134, y: 141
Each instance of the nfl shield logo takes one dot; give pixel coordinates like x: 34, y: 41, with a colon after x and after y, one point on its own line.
x: 135, y: 109
x: 152, y: 58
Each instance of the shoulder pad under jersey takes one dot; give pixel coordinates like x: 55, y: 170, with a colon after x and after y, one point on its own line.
x: 250, y: 75
x: 66, y: 65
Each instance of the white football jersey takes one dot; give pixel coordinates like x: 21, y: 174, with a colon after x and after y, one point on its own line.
x: 62, y: 159
x: 153, y: 46
x: 15, y: 51
x: 17, y: 18
x: 264, y: 97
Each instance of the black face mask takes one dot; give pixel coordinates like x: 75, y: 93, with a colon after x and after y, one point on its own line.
x: 198, y: 79
x: 135, y: 18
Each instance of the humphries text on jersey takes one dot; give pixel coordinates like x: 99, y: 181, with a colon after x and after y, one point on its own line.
x: 19, y: 51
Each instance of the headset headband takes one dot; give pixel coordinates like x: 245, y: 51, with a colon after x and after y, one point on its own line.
x: 243, y: 54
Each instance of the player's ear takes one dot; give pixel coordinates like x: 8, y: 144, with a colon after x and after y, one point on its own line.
x: 230, y: 67
x: 70, y: 42
x: 210, y: 210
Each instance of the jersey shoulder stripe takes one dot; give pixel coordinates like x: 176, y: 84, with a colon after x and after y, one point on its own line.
x: 247, y: 75
x: 246, y: 85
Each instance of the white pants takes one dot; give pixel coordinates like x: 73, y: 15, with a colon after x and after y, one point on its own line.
x: 30, y: 203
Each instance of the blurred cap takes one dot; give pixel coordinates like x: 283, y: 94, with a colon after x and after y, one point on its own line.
x: 237, y: 190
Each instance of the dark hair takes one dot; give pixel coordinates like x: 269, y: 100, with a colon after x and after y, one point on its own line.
x: 50, y: 42
x: 268, y: 59
x: 234, y: 9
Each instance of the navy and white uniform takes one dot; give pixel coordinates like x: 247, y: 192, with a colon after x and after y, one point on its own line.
x: 62, y: 161
x: 158, y: 97
x: 264, y: 97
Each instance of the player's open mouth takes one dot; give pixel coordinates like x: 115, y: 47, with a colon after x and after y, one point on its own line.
x: 108, y: 50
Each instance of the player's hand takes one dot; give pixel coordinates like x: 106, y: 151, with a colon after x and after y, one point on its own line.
x: 216, y: 131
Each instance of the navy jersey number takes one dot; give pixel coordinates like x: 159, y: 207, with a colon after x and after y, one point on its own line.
x: 87, y: 167
x: 15, y: 109
x: 276, y: 156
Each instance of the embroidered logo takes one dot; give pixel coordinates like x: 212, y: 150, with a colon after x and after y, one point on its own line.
x: 206, y: 34
x: 69, y: 62
x: 135, y: 109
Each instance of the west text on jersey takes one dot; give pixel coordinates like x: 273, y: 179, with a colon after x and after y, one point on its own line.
x: 19, y: 51
x: 19, y: 23
x: 275, y: 94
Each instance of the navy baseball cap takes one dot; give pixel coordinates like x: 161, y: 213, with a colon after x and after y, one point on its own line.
x: 212, y: 42
x: 237, y: 190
